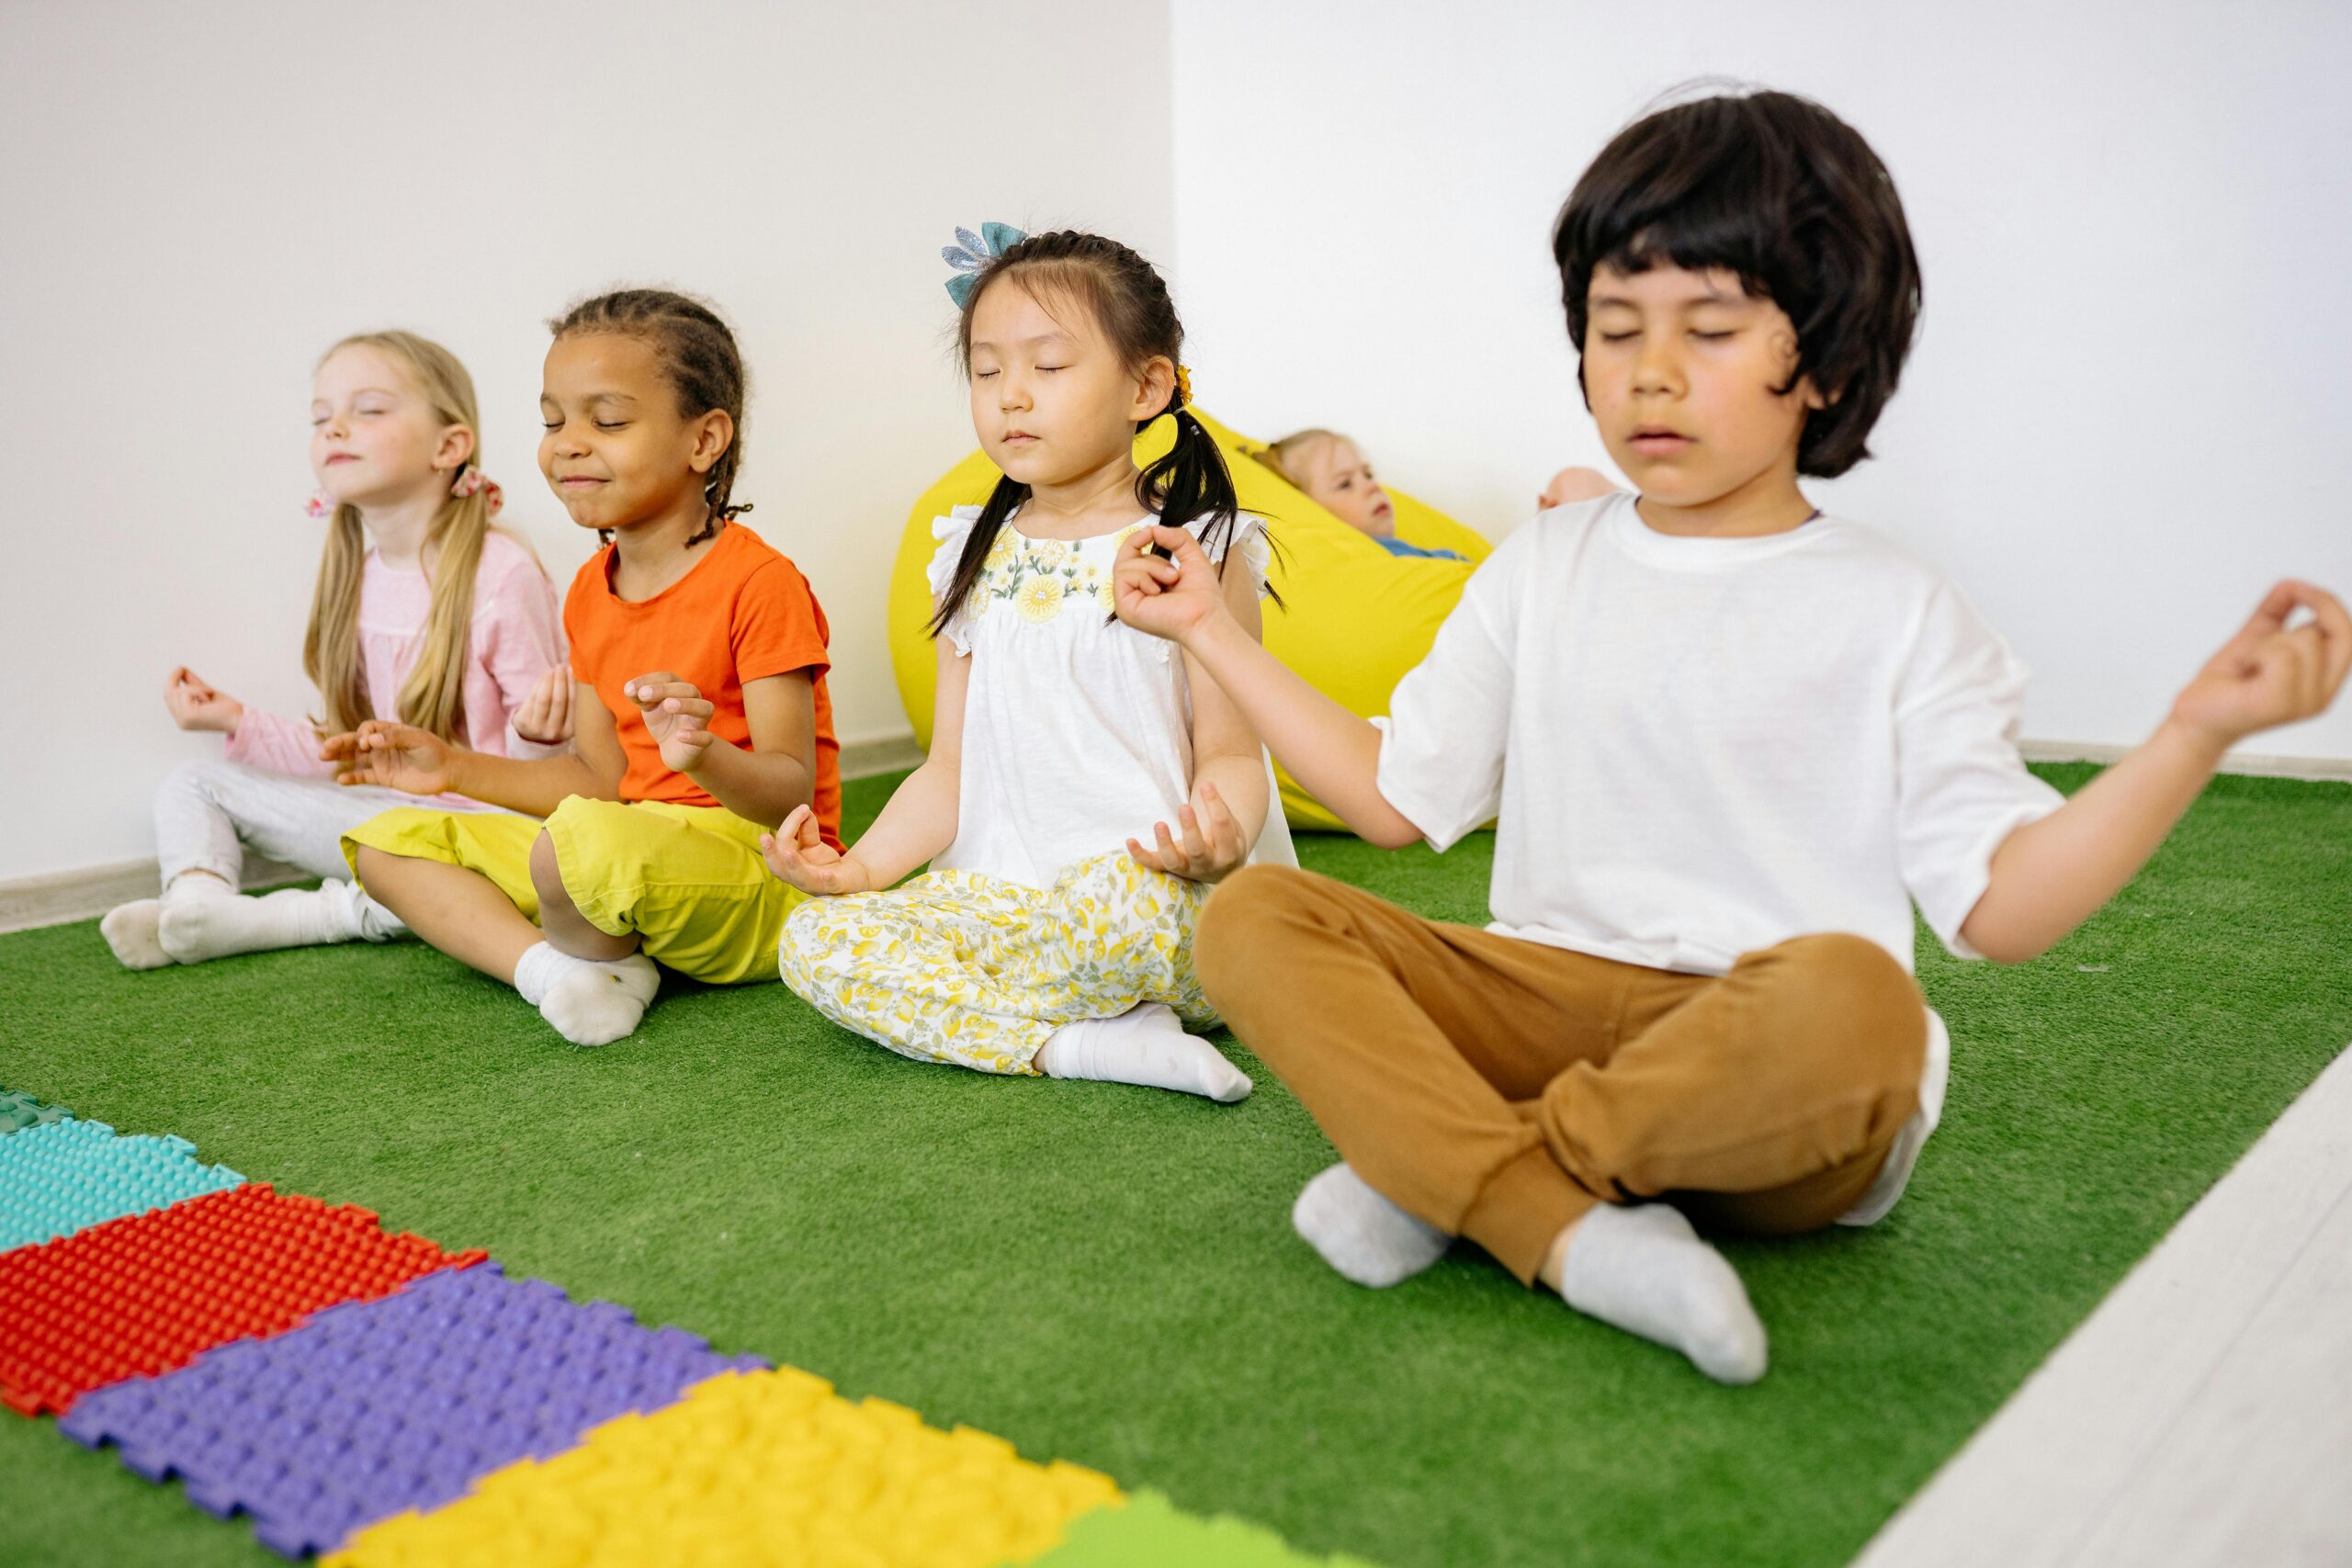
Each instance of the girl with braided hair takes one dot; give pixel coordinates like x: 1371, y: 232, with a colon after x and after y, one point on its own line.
x: 1034, y: 945
x: 699, y: 710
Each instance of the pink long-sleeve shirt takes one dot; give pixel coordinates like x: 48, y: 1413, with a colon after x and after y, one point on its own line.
x: 517, y: 635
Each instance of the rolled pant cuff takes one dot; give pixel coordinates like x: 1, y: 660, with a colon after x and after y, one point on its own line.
x: 1522, y: 1209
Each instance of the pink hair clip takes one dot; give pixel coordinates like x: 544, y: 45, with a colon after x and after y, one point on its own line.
x: 321, y: 505
x: 471, y: 480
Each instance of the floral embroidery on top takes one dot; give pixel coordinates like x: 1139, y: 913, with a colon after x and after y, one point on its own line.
x: 1045, y: 577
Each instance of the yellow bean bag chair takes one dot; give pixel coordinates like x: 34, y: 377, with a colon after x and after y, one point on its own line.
x: 1353, y: 617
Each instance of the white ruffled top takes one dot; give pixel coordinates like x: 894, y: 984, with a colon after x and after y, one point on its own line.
x: 1077, y: 729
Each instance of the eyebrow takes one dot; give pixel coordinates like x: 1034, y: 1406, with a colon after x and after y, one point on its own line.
x: 1712, y: 297
x: 1029, y: 342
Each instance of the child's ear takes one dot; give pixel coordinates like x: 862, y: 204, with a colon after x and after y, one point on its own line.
x: 714, y: 433
x: 1158, y: 379
x: 455, y: 447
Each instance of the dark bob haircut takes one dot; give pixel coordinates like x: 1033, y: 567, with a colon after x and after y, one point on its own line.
x: 1782, y: 193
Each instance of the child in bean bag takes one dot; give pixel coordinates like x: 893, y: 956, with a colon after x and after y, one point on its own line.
x: 1330, y: 470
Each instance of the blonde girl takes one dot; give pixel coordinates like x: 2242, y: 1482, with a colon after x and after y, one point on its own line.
x: 1335, y: 475
x: 1034, y: 944
x: 422, y: 611
x: 698, y: 654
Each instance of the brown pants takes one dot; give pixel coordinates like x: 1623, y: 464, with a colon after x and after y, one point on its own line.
x: 1498, y: 1089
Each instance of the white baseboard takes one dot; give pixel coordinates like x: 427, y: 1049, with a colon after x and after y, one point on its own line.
x: 2323, y: 770
x: 880, y: 754
x: 64, y: 896
x: 80, y: 895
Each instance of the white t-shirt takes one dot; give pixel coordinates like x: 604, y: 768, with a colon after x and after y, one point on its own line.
x: 1077, y: 729
x: 1695, y: 748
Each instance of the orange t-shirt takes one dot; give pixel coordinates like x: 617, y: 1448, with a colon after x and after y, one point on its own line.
x: 742, y: 614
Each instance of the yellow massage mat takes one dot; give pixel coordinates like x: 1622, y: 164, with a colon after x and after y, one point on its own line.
x: 1353, y: 617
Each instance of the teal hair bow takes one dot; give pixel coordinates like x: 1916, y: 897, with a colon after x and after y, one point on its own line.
x: 972, y: 251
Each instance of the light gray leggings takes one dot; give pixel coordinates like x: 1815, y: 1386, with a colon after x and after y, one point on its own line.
x: 209, y: 814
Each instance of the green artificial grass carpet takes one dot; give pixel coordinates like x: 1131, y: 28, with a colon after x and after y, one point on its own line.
x: 1107, y: 1274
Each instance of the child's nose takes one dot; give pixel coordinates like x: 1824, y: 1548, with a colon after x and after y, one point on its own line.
x: 1655, y: 368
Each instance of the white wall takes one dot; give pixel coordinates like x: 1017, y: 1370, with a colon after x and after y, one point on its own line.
x: 195, y: 200
x: 2131, y: 406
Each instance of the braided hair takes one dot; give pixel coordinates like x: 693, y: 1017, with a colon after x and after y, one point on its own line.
x: 698, y: 354
x: 1130, y: 306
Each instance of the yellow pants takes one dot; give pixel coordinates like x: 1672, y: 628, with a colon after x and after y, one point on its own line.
x: 687, y: 880
x: 975, y: 970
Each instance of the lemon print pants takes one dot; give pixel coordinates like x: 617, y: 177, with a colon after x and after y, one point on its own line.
x: 978, y: 971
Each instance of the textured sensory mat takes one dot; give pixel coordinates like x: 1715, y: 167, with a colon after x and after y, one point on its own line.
x: 372, y: 1407
x: 1106, y: 1277
x: 59, y: 1176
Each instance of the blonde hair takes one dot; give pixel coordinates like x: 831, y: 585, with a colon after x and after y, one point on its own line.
x: 1291, y: 449
x: 433, y: 697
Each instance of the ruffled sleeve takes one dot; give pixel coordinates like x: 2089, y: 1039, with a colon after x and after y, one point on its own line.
x: 1248, y: 536
x: 952, y: 532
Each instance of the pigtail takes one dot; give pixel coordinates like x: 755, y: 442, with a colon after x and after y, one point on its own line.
x: 1191, y: 481
x: 330, y: 656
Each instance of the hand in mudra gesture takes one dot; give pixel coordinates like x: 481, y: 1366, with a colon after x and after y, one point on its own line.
x: 195, y: 704
x: 797, y: 853
x: 2269, y: 674
x: 676, y: 715
x: 545, y: 717
x: 391, y: 756
x: 1206, y: 845
x: 1165, y: 595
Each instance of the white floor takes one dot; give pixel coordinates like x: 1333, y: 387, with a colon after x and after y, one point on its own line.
x: 2203, y: 1414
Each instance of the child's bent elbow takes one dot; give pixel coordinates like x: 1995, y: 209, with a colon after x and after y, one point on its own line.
x: 1398, y: 835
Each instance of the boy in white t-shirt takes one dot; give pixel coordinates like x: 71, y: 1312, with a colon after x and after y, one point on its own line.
x: 1728, y: 742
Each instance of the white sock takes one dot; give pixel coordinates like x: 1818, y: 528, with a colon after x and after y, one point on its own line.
x: 1362, y: 1234
x: 1145, y: 1044
x: 130, y: 931
x: 368, y: 920
x: 197, y: 924
x: 590, y: 1002
x: 1641, y: 1268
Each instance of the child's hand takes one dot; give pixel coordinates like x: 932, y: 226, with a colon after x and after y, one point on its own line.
x: 797, y: 853
x: 676, y: 715
x: 197, y: 707
x: 1211, y: 846
x: 2267, y: 675
x: 545, y: 717
x: 1168, y: 598
x: 392, y: 756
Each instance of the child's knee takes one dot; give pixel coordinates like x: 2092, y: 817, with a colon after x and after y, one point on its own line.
x: 547, y: 872
x: 1246, y: 908
x: 204, y: 781
x: 800, y: 941
x: 1862, y: 1009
